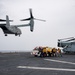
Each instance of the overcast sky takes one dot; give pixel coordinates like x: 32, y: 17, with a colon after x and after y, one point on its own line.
x: 60, y: 23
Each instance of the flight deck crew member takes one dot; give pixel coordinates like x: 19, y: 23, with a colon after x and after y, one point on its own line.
x: 59, y: 52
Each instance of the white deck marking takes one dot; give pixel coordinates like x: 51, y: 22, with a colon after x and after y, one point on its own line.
x: 60, y: 61
x: 45, y: 68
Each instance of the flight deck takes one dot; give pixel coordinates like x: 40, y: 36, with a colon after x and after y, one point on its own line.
x: 23, y: 63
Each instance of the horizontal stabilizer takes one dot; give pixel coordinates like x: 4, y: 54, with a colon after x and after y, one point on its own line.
x: 2, y: 20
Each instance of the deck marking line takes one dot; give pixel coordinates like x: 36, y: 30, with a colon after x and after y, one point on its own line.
x: 45, y: 68
x: 60, y: 61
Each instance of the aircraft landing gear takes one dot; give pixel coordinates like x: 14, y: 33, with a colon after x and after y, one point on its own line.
x: 19, y: 35
x: 16, y: 34
x: 5, y: 34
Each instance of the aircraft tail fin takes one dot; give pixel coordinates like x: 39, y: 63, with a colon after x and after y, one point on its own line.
x: 7, y: 21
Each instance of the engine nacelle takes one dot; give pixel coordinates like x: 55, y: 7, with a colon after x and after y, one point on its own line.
x: 31, y: 25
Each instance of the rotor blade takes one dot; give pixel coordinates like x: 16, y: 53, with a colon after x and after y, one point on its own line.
x: 31, y: 16
x: 70, y: 40
x: 66, y: 38
x: 40, y: 19
x: 25, y: 19
x: 2, y: 20
x: 11, y: 20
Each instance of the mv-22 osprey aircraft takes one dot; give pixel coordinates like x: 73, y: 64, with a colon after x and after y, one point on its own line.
x: 13, y: 29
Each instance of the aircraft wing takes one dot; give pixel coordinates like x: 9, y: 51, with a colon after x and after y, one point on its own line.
x: 23, y: 25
